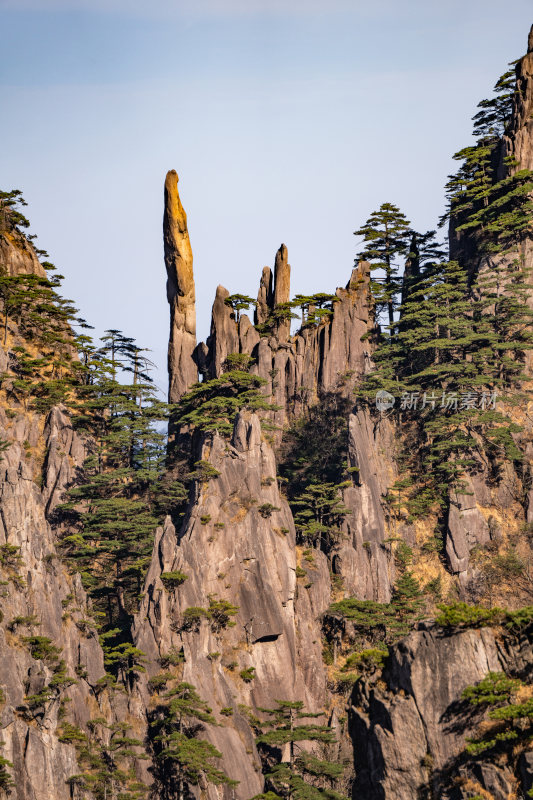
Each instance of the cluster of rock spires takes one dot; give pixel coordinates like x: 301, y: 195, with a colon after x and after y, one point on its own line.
x: 401, y: 735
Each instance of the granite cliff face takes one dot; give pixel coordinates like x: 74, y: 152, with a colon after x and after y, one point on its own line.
x: 409, y: 729
x: 400, y: 731
x: 39, y: 597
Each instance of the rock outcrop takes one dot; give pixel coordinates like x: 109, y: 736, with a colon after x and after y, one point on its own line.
x: 409, y: 730
x: 50, y: 655
x: 229, y: 594
x: 237, y: 544
x: 180, y: 292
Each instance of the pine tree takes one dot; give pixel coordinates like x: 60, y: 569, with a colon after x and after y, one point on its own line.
x: 106, y: 756
x: 386, y: 237
x: 239, y: 302
x: 302, y: 776
x: 182, y: 758
x: 213, y: 405
x: 319, y: 514
x: 447, y: 355
x: 114, y: 510
x: 495, y: 113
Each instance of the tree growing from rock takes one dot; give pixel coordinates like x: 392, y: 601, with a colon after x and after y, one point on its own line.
x: 299, y: 774
x: 182, y: 758
x: 386, y: 239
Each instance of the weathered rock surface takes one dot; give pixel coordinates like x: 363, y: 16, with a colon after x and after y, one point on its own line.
x: 237, y: 543
x: 17, y: 256
x: 466, y: 528
x: 39, y: 588
x: 182, y: 369
x: 409, y: 732
x: 265, y: 297
x: 364, y: 558
x: 39, y: 597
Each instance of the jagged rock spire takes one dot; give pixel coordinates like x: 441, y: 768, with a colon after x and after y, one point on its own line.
x: 282, y: 288
x: 265, y: 297
x: 182, y: 370
x: 518, y: 140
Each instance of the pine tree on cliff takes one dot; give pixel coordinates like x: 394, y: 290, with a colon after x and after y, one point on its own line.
x: 182, y: 758
x: 424, y: 252
x: 495, y: 113
x: 319, y: 512
x: 450, y: 357
x: 213, y: 405
x: 302, y: 776
x: 386, y: 241
x: 238, y: 303
x: 114, y: 510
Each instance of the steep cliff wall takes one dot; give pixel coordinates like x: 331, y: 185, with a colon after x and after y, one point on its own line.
x: 233, y: 601
x: 490, y: 510
x: 46, y: 681
x: 409, y: 728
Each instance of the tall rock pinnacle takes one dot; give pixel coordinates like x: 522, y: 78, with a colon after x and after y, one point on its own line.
x: 265, y: 297
x: 182, y: 370
x: 282, y: 288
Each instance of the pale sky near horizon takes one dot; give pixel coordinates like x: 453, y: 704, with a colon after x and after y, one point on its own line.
x: 286, y: 121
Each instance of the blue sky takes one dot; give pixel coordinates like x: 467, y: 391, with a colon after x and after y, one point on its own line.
x: 286, y: 121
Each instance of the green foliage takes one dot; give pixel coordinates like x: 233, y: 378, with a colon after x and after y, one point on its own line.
x: 303, y: 776
x: 106, y: 757
x: 203, y: 471
x: 238, y: 303
x: 122, y: 659
x: 220, y: 613
x: 159, y: 681
x: 462, y: 615
x: 385, y: 622
x: 173, y: 579
x: 238, y: 361
x: 123, y: 492
x: 192, y: 617
x: 10, y: 556
x: 508, y: 725
x: 212, y: 405
x: 366, y: 660
x: 315, y: 308
x: 386, y: 239
x: 247, y: 674
x: 495, y: 688
x: 41, y: 648
x: 6, y: 782
x: 314, y: 465
x: 11, y: 218
x: 181, y: 758
x: 27, y: 621
x: 407, y: 598
x: 297, y: 784
x: 173, y: 658
x: 319, y: 512
x: 464, y: 327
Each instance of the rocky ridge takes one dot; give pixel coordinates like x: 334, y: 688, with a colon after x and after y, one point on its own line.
x: 236, y: 542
